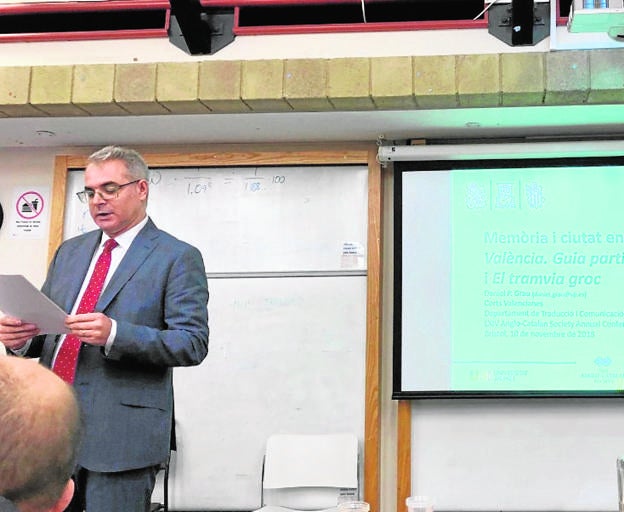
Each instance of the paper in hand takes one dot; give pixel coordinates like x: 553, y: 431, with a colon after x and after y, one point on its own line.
x: 20, y: 298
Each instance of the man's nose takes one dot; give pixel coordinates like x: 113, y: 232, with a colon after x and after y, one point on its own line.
x: 98, y: 198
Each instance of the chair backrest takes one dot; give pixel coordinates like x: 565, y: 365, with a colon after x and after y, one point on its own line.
x: 310, y: 472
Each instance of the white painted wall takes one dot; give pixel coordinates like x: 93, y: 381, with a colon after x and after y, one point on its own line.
x: 307, y: 46
x: 29, y: 168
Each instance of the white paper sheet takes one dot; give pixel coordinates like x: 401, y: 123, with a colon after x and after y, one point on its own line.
x: 20, y: 298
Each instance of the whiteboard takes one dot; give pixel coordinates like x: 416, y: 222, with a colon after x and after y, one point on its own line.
x: 287, y: 355
x: 262, y: 219
x: 286, y: 265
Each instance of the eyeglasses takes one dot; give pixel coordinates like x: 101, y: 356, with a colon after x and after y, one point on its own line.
x: 106, y: 192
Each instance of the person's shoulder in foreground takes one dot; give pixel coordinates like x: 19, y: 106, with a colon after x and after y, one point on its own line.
x: 7, y: 506
x: 40, y: 432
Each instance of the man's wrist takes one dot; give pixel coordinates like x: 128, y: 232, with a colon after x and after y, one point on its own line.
x: 20, y: 351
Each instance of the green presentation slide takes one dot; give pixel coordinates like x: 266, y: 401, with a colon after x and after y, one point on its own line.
x: 537, y: 288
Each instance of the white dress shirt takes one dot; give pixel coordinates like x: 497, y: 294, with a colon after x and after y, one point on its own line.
x: 124, y: 241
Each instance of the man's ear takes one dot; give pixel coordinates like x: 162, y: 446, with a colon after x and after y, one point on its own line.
x: 65, y: 498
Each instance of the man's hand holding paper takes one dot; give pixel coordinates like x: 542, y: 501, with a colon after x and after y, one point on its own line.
x: 28, y: 310
x: 14, y: 333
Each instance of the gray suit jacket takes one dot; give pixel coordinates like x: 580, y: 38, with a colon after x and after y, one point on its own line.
x: 158, y: 296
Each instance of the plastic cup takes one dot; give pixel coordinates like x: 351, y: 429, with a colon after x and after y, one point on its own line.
x: 353, y: 506
x: 419, y: 504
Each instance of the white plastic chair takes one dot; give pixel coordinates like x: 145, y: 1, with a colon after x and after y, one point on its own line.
x: 309, y: 472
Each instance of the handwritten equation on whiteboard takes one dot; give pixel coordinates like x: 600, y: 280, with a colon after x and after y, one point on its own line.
x: 249, y: 219
x: 202, y: 185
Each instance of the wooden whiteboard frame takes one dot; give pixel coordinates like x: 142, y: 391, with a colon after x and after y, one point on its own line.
x: 242, y: 156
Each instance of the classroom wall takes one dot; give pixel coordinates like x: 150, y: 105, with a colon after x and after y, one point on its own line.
x: 32, y: 167
x: 36, y: 172
x: 389, y: 409
x: 288, y: 46
x: 472, y: 455
x: 21, y: 169
x: 530, y: 455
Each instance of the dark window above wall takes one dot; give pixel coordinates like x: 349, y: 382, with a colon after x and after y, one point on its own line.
x: 301, y: 16
x: 96, y: 19
x: 222, y: 20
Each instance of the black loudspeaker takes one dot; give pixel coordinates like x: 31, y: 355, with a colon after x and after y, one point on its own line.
x: 200, y: 31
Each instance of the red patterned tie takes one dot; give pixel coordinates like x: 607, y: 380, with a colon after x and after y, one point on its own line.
x: 67, y: 356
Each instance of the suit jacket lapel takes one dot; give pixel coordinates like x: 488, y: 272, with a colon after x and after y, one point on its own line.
x: 83, y: 255
x: 143, y: 244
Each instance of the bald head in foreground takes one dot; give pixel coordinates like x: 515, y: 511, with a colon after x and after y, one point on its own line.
x: 40, y: 432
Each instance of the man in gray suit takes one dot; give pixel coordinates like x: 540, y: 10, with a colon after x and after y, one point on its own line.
x: 150, y: 316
